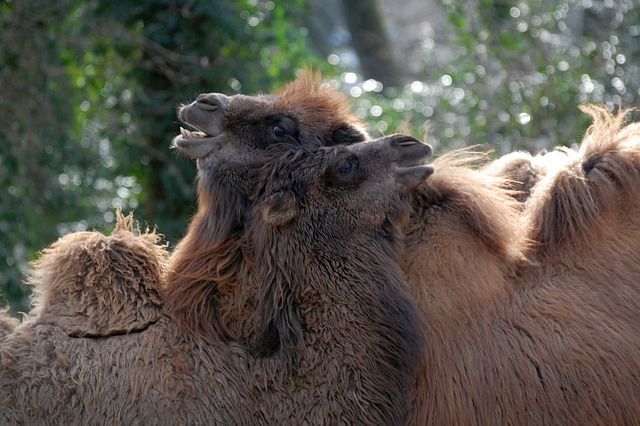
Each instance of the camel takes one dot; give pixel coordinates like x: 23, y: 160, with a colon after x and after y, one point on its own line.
x: 211, y: 259
x: 515, y: 334
x: 320, y: 278
x: 529, y: 318
x: 340, y: 344
x: 532, y: 317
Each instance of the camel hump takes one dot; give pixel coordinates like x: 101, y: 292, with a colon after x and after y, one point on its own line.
x: 590, y: 194
x: 522, y: 172
x: 94, y: 285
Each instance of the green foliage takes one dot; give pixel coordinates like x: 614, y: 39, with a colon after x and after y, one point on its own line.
x: 183, y: 50
x: 89, y: 92
x: 517, y: 75
x: 37, y: 101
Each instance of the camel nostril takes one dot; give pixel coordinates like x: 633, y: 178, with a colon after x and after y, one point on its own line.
x: 403, y: 141
x: 212, y: 101
x: 407, y: 142
x: 410, y: 146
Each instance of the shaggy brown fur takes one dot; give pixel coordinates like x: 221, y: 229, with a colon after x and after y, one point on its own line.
x: 7, y: 323
x: 508, y: 341
x: 521, y: 171
x: 211, y: 259
x: 99, y: 349
x: 334, y: 293
x: 593, y: 197
x: 556, y: 341
x: 462, y: 246
x: 345, y: 337
x: 84, y: 296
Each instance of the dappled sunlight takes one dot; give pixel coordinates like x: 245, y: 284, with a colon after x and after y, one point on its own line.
x: 510, y: 72
x: 89, y: 90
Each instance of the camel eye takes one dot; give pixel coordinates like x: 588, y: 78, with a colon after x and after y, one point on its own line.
x: 279, y: 132
x: 344, y: 171
x: 347, y: 168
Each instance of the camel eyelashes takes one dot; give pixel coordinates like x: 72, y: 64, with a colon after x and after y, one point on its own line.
x: 281, y: 127
x: 283, y: 131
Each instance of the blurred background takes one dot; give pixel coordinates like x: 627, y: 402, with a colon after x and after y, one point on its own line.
x: 89, y: 89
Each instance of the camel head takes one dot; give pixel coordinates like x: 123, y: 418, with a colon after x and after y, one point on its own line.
x: 321, y: 213
x: 231, y: 131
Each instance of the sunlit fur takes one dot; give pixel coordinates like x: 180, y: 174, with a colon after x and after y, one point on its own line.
x: 552, y: 337
x: 92, y: 285
x: 317, y: 104
x: 7, y: 323
x: 212, y: 259
x: 530, y: 308
x: 462, y: 244
x: 98, y: 347
x: 522, y: 171
x: 574, y: 208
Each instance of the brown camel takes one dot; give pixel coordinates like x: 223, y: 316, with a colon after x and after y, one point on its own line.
x: 515, y: 334
x: 340, y: 344
x: 211, y: 259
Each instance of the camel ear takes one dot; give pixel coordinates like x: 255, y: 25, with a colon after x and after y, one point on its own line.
x: 280, y: 208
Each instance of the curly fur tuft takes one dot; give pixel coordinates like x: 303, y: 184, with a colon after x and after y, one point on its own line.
x: 7, y: 323
x: 94, y: 285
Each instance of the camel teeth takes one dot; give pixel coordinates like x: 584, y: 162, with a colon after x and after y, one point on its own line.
x: 191, y: 135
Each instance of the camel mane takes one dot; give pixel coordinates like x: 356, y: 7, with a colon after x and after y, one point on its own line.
x: 208, y: 263
x: 316, y: 103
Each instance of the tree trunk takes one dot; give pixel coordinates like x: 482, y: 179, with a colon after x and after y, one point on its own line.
x: 370, y: 41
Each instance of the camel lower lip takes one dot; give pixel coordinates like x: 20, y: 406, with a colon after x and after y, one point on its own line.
x: 198, y: 147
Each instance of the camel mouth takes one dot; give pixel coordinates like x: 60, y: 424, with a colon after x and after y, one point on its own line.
x: 421, y: 158
x: 427, y: 169
x: 196, y: 144
x: 201, y: 124
x: 193, y: 134
x: 204, y: 132
x: 415, y: 153
x: 406, y: 150
x: 412, y: 176
x: 413, y: 169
